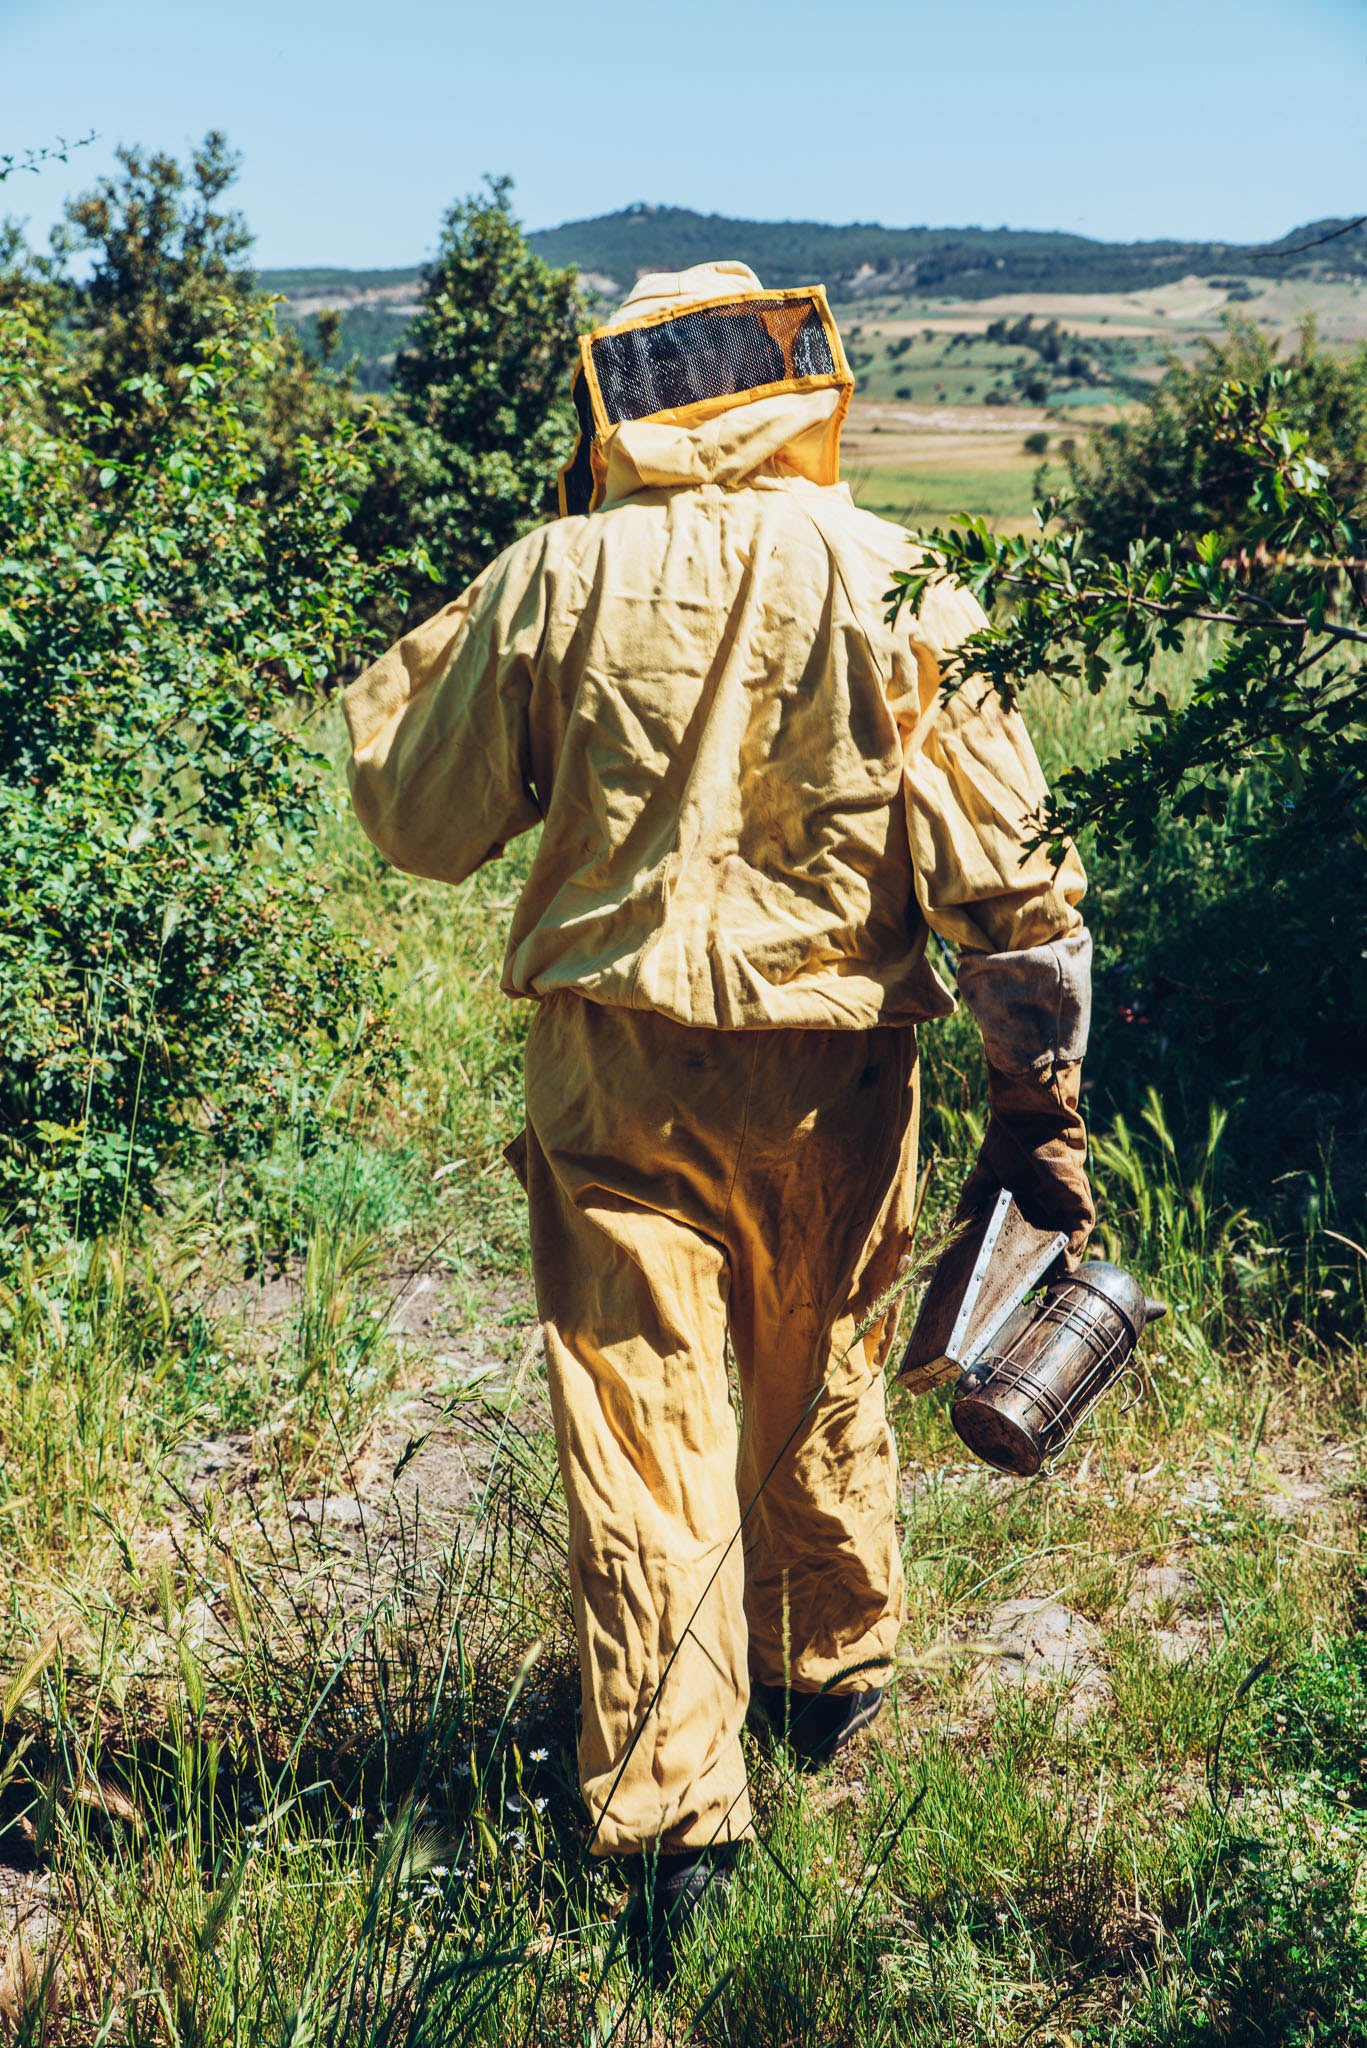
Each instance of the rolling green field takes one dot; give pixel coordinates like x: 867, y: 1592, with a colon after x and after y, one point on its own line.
x: 934, y: 366
x: 931, y: 351
x: 921, y: 469
x: 929, y: 493
x: 934, y: 389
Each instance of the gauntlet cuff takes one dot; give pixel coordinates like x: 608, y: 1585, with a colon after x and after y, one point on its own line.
x: 1033, y: 1007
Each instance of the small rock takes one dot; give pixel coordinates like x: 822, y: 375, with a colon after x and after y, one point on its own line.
x: 1164, y: 1587
x: 1039, y: 1641
x: 337, y: 1509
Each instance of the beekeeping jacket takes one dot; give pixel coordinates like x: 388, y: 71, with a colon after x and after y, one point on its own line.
x: 754, y: 801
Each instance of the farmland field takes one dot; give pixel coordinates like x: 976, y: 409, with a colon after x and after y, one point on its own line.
x: 918, y: 465
x: 923, y: 442
x: 942, y: 412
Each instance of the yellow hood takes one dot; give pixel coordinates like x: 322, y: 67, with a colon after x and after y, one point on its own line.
x: 791, y: 429
x: 670, y: 291
x: 796, y: 434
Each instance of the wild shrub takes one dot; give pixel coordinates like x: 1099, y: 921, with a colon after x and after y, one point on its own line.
x: 480, y: 405
x: 1227, y: 818
x: 1161, y: 475
x: 173, y: 980
x: 1269, y: 1950
x: 1316, y: 1719
x: 168, y: 260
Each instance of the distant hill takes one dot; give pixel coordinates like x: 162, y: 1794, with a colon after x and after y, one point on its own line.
x: 330, y: 284
x: 862, y: 258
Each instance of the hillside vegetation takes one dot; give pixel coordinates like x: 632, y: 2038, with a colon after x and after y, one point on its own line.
x: 898, y: 269
x: 969, y: 262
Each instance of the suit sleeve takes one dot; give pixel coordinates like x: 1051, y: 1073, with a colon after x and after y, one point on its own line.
x: 974, y: 797
x: 440, y: 768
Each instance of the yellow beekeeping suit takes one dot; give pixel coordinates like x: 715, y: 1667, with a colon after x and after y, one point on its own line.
x: 754, y: 807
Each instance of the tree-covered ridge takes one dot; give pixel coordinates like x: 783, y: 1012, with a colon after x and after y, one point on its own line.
x: 968, y: 262
x: 302, y: 283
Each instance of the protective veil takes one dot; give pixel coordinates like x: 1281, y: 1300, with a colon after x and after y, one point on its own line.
x: 755, y: 807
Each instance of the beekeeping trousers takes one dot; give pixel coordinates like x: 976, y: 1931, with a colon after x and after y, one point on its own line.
x: 684, y: 1184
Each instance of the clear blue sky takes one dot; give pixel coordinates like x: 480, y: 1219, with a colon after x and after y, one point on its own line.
x: 1228, y: 119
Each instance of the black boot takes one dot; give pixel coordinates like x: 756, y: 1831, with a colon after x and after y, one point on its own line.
x: 667, y: 1894
x: 815, y: 1725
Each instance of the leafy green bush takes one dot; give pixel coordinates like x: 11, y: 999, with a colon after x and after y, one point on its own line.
x: 168, y: 264
x: 173, y: 980
x: 1229, y: 821
x: 1316, y: 1719
x: 169, y: 270
x: 1163, y: 475
x: 1275, y: 611
x: 1270, y: 1953
x: 480, y: 408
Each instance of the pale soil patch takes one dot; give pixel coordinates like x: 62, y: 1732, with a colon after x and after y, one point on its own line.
x: 1191, y: 304
x: 1041, y: 1642
x: 958, y: 422
x: 30, y: 1914
x: 967, y: 454
x: 468, y: 1395
x: 456, y: 1346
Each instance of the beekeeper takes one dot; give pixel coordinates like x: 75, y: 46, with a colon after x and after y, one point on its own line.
x: 755, y: 805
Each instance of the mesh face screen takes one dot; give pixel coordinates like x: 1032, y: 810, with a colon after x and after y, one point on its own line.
x: 728, y: 350
x: 716, y: 352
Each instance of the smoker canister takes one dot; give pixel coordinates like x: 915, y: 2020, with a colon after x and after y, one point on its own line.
x: 1025, y: 1395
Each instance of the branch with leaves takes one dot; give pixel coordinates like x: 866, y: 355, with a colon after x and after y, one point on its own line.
x: 58, y: 152
x: 1276, y: 609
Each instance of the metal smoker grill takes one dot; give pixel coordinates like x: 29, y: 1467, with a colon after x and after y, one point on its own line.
x: 1027, y: 1393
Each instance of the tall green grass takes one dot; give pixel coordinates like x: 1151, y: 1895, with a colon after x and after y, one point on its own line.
x: 286, y: 1790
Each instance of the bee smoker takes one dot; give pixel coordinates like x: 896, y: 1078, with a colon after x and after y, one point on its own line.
x: 1030, y: 1370
x: 1031, y: 1388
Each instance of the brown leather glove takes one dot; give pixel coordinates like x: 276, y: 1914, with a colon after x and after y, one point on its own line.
x: 1036, y: 1145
